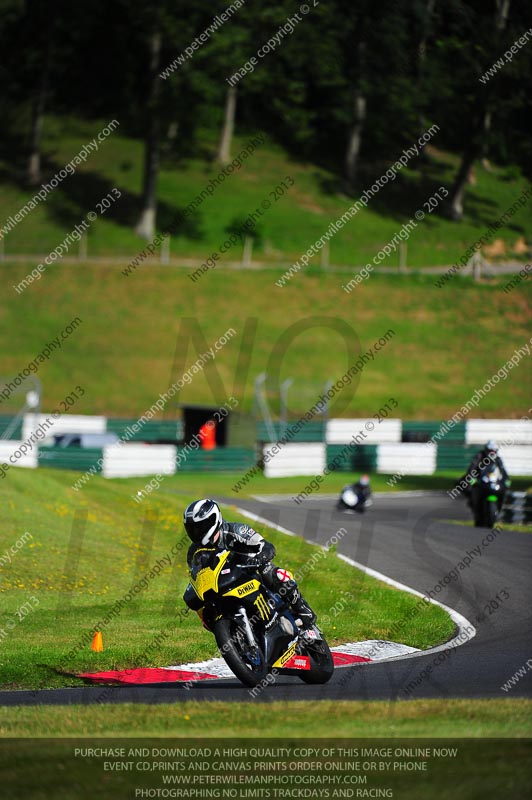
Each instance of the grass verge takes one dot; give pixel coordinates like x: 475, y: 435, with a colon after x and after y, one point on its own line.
x: 297, y: 332
x: 86, y: 552
x: 416, y: 718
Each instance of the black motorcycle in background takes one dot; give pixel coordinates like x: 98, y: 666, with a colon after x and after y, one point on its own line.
x: 355, y: 497
x: 487, y: 495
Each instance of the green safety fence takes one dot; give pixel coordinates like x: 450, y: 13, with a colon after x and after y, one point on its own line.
x: 455, y: 458
x: 167, y: 430
x: 5, y: 421
x: 310, y: 432
x: 77, y: 458
x: 419, y: 431
x: 361, y: 458
x: 228, y: 459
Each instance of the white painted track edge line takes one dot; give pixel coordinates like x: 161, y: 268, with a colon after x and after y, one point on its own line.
x: 466, y: 631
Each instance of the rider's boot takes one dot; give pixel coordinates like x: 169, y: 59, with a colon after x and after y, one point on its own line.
x: 301, y: 610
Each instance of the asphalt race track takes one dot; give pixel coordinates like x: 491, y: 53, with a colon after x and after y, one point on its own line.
x: 412, y: 539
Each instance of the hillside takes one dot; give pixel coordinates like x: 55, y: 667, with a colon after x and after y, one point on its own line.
x: 296, y: 219
x: 446, y: 342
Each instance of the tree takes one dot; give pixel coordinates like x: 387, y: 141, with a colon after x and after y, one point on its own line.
x: 224, y: 149
x: 480, y: 117
x: 354, y: 138
x: 146, y: 224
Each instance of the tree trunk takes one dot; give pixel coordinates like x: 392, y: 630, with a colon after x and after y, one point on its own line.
x: 33, y: 172
x: 421, y: 57
x: 503, y: 12
x: 146, y: 224
x: 471, y: 153
x: 224, y: 148
x: 354, y: 142
x: 477, y: 145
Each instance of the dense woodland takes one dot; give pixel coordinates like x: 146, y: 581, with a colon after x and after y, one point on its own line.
x: 352, y: 85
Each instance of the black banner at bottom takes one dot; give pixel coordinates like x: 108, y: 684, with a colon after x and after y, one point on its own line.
x: 276, y: 769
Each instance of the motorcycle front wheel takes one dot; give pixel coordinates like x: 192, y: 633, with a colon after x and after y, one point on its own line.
x: 321, y: 662
x: 491, y: 514
x: 245, y: 661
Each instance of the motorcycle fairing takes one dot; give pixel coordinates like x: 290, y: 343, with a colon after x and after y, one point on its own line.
x: 206, y: 579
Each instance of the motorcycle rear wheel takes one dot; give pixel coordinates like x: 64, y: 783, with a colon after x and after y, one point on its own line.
x: 248, y: 666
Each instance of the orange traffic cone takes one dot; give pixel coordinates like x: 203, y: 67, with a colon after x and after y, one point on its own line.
x: 97, y: 642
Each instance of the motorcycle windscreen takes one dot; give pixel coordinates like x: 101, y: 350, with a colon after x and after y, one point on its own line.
x: 349, y: 497
x: 205, y: 571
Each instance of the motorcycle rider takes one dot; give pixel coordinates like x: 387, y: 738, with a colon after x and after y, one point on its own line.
x: 362, y: 491
x: 205, y: 527
x: 484, y: 458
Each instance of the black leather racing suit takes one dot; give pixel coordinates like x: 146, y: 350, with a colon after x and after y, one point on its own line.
x: 252, y: 546
x: 480, y: 461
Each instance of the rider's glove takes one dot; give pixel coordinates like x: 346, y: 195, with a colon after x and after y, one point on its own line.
x: 264, y: 556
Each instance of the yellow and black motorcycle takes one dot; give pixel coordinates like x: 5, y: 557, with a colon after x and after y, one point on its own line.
x: 254, y: 628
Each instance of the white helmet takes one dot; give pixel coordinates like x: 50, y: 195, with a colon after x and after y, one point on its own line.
x: 492, y: 447
x: 202, y: 520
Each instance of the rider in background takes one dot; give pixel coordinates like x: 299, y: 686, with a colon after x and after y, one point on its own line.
x: 362, y: 488
x: 484, y: 458
x: 362, y: 491
x: 205, y: 527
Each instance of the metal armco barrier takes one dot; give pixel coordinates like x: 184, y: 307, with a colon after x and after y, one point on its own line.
x: 517, y: 508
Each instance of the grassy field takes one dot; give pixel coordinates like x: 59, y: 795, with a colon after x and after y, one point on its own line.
x: 417, y: 718
x: 134, y: 342
x: 87, y: 551
x: 457, y: 768
x: 89, y: 548
x: 291, y: 225
x: 331, y: 484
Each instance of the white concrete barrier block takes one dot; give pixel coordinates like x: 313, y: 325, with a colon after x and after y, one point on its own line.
x: 504, y: 431
x: 366, y: 431
x: 517, y: 459
x: 66, y: 423
x: 407, y: 458
x: 308, y: 458
x: 127, y: 460
x: 10, y: 450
